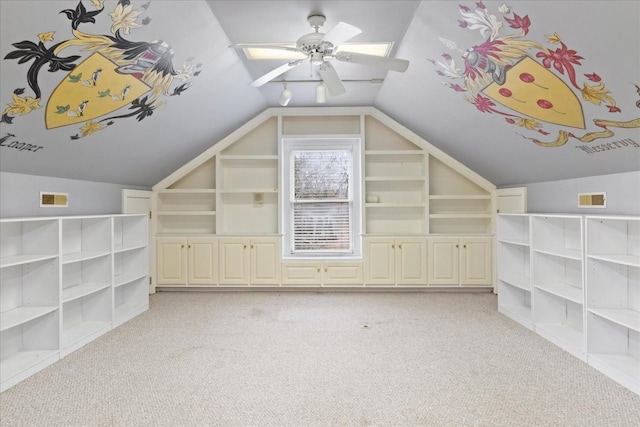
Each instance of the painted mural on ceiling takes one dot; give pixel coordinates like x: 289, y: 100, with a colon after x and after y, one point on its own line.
x: 530, y: 84
x: 112, y: 73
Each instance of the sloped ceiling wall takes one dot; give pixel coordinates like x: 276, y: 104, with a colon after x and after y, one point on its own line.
x: 588, y: 53
x: 585, y: 52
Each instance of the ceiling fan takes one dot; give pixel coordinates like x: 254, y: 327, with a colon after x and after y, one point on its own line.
x: 320, y: 48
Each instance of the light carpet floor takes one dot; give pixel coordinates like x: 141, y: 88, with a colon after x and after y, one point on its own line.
x: 320, y: 359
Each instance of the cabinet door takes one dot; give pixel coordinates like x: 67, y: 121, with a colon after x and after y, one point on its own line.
x: 171, y: 261
x: 380, y: 261
x: 411, y: 261
x: 265, y: 261
x: 234, y: 261
x: 302, y: 273
x: 443, y: 263
x: 203, y: 261
x: 475, y: 261
x: 342, y: 273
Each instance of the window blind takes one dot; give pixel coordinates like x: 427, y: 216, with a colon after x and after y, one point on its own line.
x: 321, y: 201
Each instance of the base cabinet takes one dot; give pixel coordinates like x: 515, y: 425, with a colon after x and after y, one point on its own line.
x: 319, y: 273
x: 395, y: 261
x: 250, y: 261
x: 187, y: 261
x: 457, y: 261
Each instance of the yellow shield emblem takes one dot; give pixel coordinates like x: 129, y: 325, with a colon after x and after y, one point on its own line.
x: 94, y: 88
x: 533, y: 90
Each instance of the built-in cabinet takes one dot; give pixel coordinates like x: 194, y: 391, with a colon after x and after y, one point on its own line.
x: 65, y: 281
x: 410, y: 193
x: 575, y: 280
x: 465, y: 261
x: 396, y: 261
x: 322, y: 273
x: 187, y: 261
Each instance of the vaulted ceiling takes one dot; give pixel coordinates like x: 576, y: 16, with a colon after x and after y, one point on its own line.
x: 520, y: 92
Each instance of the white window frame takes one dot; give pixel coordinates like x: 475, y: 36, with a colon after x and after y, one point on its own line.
x: 317, y: 143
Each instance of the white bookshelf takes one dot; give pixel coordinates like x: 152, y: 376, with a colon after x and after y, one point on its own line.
x: 514, y: 268
x: 57, y: 285
x: 613, y: 297
x: 580, y: 287
x: 558, y: 280
x: 29, y: 298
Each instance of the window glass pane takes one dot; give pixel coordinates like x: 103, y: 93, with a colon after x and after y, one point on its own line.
x: 321, y: 174
x: 321, y: 226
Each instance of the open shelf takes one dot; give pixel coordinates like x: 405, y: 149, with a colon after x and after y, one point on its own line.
x: 515, y: 303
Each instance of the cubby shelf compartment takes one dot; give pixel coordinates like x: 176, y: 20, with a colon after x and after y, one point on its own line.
x: 28, y: 346
x: 560, y: 320
x: 515, y: 303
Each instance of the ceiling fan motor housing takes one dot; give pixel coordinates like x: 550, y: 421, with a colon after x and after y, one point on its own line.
x: 312, y: 43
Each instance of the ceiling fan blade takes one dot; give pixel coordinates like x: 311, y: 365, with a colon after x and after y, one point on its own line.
x: 341, y: 33
x: 394, y: 64
x: 273, y: 46
x: 331, y: 79
x: 275, y: 73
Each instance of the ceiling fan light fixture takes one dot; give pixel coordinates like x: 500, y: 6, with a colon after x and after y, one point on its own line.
x: 285, y: 97
x: 321, y: 93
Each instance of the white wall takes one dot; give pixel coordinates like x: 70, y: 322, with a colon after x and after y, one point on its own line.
x: 623, y: 194
x: 20, y: 196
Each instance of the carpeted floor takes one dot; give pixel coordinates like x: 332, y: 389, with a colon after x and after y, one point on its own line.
x: 320, y: 359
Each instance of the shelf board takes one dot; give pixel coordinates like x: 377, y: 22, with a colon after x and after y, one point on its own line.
x: 24, y: 360
x: 128, y: 247
x: 460, y: 216
x: 630, y: 260
x: 394, y: 178
x: 82, y: 330
x: 248, y: 157
x: 625, y: 317
x: 514, y: 242
x: 250, y: 190
x: 625, y: 364
x: 570, y: 293
x: 10, y: 261
x: 78, y: 291
x: 199, y: 191
x: 518, y: 312
x: 123, y: 279
x: 122, y: 310
x: 562, y: 332
x: 519, y: 282
x: 83, y: 256
x: 394, y: 205
x: 20, y: 315
x: 575, y: 254
x: 460, y: 197
x: 186, y: 213
x: 393, y: 152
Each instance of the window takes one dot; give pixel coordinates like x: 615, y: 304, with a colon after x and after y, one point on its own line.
x: 322, y: 202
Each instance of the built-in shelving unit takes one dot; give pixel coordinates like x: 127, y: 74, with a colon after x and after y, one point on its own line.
x: 232, y: 196
x: 457, y: 204
x: 581, y: 284
x: 57, y: 285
